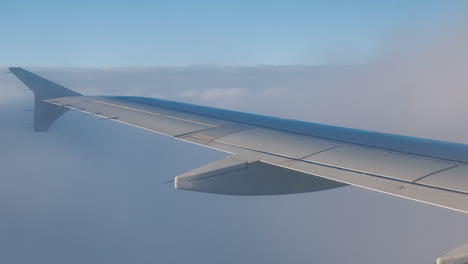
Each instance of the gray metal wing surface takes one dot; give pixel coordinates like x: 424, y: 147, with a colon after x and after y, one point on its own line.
x: 280, y: 156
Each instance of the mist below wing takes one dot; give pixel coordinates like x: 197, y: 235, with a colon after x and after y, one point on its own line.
x: 280, y: 156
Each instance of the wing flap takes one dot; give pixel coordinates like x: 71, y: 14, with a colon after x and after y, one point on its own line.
x: 455, y: 178
x: 406, y: 189
x: 422, y: 193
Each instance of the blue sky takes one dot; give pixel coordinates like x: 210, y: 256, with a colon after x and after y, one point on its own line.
x: 136, y: 33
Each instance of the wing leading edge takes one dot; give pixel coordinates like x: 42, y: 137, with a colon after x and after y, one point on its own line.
x: 278, y: 156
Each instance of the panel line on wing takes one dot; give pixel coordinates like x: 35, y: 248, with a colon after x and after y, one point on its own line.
x: 191, y: 132
x: 430, y: 174
x: 153, y: 113
x: 318, y: 152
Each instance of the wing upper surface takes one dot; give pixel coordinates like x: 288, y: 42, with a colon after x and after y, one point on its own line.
x: 274, y: 155
x: 424, y: 170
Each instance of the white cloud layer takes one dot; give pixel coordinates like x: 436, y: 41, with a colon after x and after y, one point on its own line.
x: 89, y: 191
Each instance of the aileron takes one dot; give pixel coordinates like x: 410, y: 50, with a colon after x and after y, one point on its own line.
x: 373, y: 161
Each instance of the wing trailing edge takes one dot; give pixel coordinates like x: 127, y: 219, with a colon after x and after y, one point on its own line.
x: 275, y: 152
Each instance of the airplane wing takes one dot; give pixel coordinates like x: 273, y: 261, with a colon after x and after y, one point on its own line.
x: 276, y: 156
x: 279, y: 156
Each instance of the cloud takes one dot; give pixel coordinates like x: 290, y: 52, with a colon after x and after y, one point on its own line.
x: 90, y: 190
x: 215, y: 93
x: 224, y: 94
